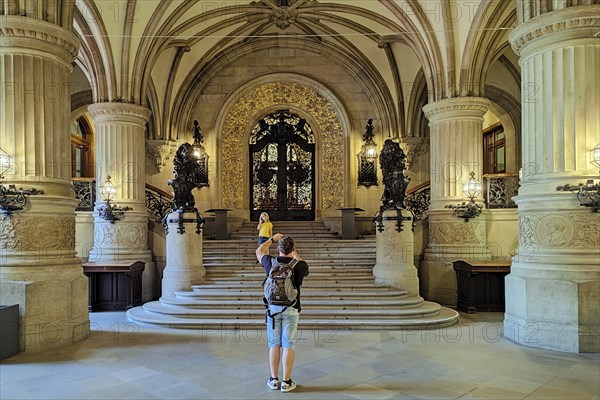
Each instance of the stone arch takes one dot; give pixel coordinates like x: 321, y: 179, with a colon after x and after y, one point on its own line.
x: 258, y: 99
x: 488, y: 32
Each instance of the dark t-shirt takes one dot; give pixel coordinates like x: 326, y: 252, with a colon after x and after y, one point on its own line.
x: 300, y: 271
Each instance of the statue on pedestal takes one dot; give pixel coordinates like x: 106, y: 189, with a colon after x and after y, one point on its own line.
x: 393, y: 164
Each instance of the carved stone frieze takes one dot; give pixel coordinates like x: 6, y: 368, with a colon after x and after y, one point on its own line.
x: 457, y: 233
x: 560, y: 231
x: 568, y: 22
x: 284, y: 94
x: 129, y: 235
x: 160, y: 152
x: 14, y: 26
x: 37, y: 233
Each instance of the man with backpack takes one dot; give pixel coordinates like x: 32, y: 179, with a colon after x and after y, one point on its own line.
x: 285, y: 274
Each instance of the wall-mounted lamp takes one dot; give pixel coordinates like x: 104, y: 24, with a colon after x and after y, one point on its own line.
x: 200, y: 155
x: 588, y: 193
x: 467, y: 211
x: 11, y: 198
x: 110, y: 212
x: 367, y: 158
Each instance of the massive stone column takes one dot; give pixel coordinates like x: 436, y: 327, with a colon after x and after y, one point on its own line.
x: 38, y: 267
x: 553, y: 289
x: 120, y: 154
x: 456, y: 127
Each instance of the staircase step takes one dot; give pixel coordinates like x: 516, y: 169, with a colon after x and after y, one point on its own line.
x: 307, y: 303
x: 446, y: 317
x: 312, y: 294
x: 339, y: 292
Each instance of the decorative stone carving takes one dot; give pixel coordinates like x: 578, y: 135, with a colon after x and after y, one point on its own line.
x: 414, y: 150
x: 586, y: 231
x: 554, y: 231
x: 15, y: 27
x: 160, y: 151
x: 456, y: 233
x: 37, y: 233
x: 574, y: 19
x: 283, y: 94
x: 134, y: 236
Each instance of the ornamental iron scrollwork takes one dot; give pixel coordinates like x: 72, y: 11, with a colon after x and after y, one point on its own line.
x: 418, y: 203
x: 392, y: 163
x: 158, y: 205
x: 85, y: 192
x: 13, y: 199
x: 282, y: 158
x: 500, y: 190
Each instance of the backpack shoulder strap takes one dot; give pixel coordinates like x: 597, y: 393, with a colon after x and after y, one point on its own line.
x: 293, y: 263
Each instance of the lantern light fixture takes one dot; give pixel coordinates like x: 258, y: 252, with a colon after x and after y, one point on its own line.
x: 471, y: 209
x: 588, y: 193
x: 110, y: 211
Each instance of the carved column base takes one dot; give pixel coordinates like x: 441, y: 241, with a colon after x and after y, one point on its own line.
x: 125, y: 240
x: 184, y: 256
x: 450, y: 239
x: 37, y: 263
x: 395, y: 255
x: 552, y: 289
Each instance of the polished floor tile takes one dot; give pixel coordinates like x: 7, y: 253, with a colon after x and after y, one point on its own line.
x: 471, y: 360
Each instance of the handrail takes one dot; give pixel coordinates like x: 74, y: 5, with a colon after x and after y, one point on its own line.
x: 418, y: 187
x: 83, y: 179
x: 500, y: 175
x: 159, y: 191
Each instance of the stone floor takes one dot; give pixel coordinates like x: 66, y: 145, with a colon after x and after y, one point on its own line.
x: 471, y: 360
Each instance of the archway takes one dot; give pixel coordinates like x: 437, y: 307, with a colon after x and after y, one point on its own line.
x: 250, y: 105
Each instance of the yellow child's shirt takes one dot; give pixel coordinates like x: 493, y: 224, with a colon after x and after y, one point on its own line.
x: 265, y: 229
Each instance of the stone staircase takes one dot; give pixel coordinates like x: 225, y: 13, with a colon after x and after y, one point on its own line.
x: 339, y: 293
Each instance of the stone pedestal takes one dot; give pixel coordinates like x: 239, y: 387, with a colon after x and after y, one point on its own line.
x: 395, y: 254
x: 455, y: 150
x: 552, y: 290
x: 120, y: 153
x: 38, y: 267
x: 184, y: 255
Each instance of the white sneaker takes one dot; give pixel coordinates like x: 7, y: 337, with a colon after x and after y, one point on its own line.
x: 285, y: 387
x: 273, y: 384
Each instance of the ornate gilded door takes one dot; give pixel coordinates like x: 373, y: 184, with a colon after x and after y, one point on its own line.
x: 282, y: 156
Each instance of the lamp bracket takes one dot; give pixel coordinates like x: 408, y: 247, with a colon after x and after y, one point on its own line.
x: 13, y: 199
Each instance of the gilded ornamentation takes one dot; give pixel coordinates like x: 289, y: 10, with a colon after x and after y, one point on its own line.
x: 37, y: 233
x: 457, y: 233
x: 263, y: 97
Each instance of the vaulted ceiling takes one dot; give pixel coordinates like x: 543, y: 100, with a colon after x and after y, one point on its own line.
x: 446, y: 47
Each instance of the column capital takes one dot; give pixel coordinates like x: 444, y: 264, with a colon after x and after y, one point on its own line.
x: 119, y: 113
x: 32, y: 36
x: 554, y: 27
x: 457, y: 108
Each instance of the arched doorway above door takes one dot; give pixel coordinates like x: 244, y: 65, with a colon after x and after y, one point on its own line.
x: 252, y: 103
x: 282, y: 172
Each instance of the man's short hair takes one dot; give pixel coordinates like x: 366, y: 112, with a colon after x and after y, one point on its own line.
x: 286, y: 244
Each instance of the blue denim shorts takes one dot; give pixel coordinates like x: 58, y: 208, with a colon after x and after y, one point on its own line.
x: 285, y: 329
x: 262, y: 239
